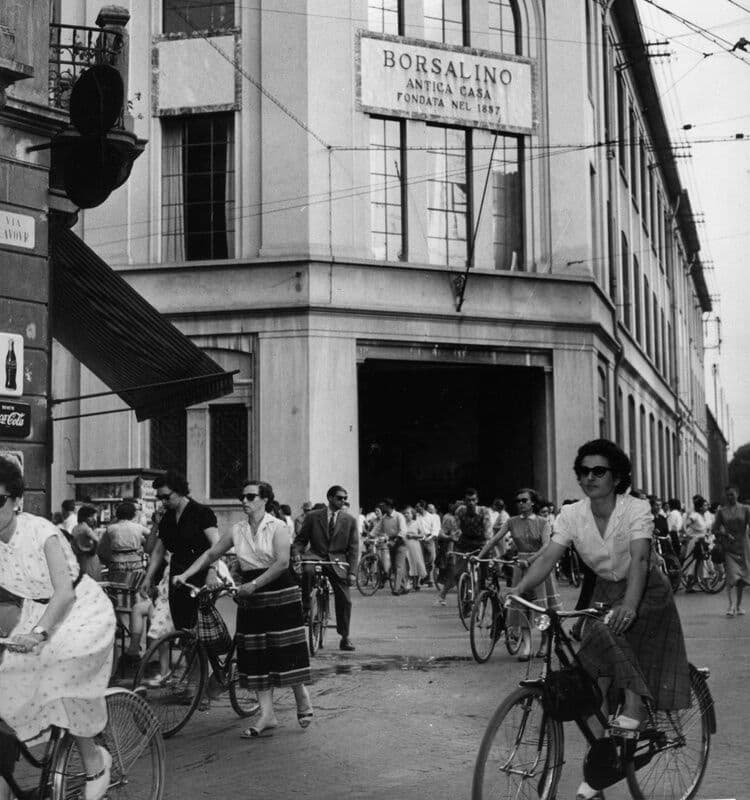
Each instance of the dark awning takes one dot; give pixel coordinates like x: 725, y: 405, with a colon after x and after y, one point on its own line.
x: 121, y: 338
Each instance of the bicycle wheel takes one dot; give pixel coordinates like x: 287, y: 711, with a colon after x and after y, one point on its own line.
x: 392, y: 577
x: 713, y: 577
x: 688, y: 572
x: 244, y: 701
x: 574, y: 566
x: 135, y: 743
x: 513, y: 638
x: 368, y: 574
x: 324, y: 616
x: 485, y: 617
x: 174, y: 696
x: 464, y: 598
x: 521, y: 753
x: 673, y: 570
x: 313, y: 623
x: 670, y: 758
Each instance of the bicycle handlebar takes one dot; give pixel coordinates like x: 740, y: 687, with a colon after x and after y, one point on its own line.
x: 505, y: 561
x: 197, y: 591
x: 583, y: 612
x: 336, y: 563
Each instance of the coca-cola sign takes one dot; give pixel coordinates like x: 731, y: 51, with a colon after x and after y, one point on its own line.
x: 15, y: 420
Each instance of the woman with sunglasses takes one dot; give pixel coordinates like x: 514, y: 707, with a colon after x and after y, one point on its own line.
x: 56, y: 667
x: 638, y: 650
x: 271, y: 645
x: 530, y: 533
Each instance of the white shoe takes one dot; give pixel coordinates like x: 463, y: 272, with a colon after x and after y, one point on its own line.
x: 97, y: 785
x: 155, y: 682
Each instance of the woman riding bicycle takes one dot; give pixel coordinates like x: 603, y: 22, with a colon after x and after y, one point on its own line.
x: 638, y: 651
x: 57, y: 666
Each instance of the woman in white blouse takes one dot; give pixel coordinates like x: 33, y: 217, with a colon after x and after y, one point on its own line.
x: 639, y: 651
x: 271, y: 645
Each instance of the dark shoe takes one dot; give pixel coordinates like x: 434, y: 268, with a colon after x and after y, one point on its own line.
x: 130, y: 659
x: 346, y: 644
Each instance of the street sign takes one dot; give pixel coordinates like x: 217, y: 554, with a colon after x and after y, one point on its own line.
x: 11, y: 358
x: 15, y: 420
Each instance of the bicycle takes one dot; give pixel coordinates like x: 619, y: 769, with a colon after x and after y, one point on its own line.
x: 122, y: 596
x: 699, y: 569
x: 371, y: 575
x: 320, y: 603
x: 489, y: 617
x: 522, y: 750
x: 669, y: 563
x: 176, y: 695
x: 133, y: 739
x: 569, y: 567
x: 466, y: 587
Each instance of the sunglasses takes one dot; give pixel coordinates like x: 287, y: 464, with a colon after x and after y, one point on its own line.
x: 4, y: 499
x: 597, y: 472
x: 249, y: 496
x: 341, y: 497
x: 163, y: 497
x: 523, y: 499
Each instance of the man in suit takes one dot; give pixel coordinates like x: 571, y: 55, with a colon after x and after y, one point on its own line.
x: 332, y: 535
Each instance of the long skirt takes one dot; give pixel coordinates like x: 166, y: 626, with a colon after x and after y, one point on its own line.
x: 271, y: 644
x: 64, y: 682
x: 649, y: 658
x: 737, y: 560
x: 545, y: 594
x: 414, y: 555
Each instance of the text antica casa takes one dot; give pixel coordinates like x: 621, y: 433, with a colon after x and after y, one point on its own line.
x: 479, y: 73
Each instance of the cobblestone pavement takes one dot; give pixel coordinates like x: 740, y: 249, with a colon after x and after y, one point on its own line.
x: 404, y: 714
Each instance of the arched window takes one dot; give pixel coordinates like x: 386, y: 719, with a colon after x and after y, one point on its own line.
x: 603, y: 403
x: 504, y: 26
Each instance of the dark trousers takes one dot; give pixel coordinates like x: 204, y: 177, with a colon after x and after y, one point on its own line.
x: 428, y: 551
x: 341, y: 598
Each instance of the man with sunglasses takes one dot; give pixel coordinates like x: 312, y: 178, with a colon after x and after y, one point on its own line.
x: 331, y: 534
x: 187, y: 529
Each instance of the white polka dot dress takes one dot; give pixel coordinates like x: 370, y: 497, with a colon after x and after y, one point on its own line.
x: 63, y: 682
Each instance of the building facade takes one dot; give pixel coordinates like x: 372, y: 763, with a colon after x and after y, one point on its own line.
x: 442, y: 243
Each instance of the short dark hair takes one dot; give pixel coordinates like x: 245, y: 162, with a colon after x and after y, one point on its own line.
x: 387, y: 501
x: 285, y: 509
x: 498, y: 504
x: 698, y: 501
x: 68, y: 505
x: 11, y: 477
x: 265, y: 490
x: 619, y: 462
x: 674, y: 504
x: 173, y: 480
x: 532, y: 494
x: 126, y: 510
x: 335, y: 489
x: 469, y: 491
x: 84, y: 512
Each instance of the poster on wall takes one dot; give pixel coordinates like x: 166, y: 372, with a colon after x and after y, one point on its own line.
x: 11, y: 361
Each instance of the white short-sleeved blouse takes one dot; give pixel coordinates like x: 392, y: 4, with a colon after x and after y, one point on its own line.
x: 608, y: 555
x: 256, y: 551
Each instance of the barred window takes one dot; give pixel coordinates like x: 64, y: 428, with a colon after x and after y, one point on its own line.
x: 387, y: 189
x: 198, y: 187
x: 169, y: 441
x: 504, y: 26
x: 188, y: 16
x: 444, y: 21
x: 228, y: 456
x: 447, y: 196
x: 384, y: 16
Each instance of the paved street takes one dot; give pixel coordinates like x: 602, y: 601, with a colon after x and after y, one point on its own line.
x: 404, y: 714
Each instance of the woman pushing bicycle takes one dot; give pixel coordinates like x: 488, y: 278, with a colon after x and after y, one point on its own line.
x: 638, y: 651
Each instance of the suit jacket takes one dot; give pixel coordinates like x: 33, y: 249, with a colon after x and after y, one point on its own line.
x: 343, y: 544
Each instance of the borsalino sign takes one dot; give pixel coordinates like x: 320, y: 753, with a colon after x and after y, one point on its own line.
x: 406, y: 78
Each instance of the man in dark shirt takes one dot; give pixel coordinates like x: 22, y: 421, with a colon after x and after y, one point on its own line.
x: 186, y: 530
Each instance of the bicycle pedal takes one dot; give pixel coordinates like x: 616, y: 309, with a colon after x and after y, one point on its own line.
x: 621, y: 733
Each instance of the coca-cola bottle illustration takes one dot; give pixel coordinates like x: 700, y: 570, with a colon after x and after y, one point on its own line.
x: 11, y: 367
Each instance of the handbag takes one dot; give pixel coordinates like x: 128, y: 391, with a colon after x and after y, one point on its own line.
x: 569, y: 694
x: 211, y: 629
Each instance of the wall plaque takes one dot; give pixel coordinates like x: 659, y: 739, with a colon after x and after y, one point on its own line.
x: 17, y: 230
x: 15, y: 420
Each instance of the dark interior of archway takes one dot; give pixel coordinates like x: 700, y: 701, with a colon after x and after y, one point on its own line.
x: 428, y: 431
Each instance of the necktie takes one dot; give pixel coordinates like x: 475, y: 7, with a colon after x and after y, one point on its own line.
x: 331, y: 523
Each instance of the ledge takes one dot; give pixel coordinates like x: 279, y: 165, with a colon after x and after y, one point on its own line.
x: 12, y: 71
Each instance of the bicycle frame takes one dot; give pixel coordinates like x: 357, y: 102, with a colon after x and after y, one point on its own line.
x: 44, y: 765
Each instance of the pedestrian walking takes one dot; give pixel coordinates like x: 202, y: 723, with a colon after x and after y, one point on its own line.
x: 417, y: 571
x: 731, y: 527
x: 429, y: 528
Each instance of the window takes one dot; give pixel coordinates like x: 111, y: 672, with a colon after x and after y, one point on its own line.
x: 633, y: 145
x: 384, y: 16
x: 625, y: 257
x: 611, y: 260
x: 444, y: 21
x: 590, y: 58
x: 506, y: 195
x: 644, y: 450
x: 647, y: 316
x: 594, y: 214
x: 657, y: 334
x: 228, y: 456
x: 188, y: 16
x: 662, y: 462
x: 637, y: 294
x: 664, y: 343
x: 603, y: 402
x: 504, y: 26
x: 198, y: 187
x: 622, y: 145
x: 653, y: 447
x: 447, y: 196
x: 644, y: 182
x: 387, y: 189
x: 169, y: 442
x: 632, y: 436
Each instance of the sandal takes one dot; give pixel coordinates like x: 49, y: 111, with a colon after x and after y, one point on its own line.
x: 305, y: 718
x: 254, y: 732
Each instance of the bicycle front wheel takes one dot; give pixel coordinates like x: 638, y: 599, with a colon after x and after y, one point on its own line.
x: 175, y: 692
x: 485, y: 618
x: 244, y: 701
x: 135, y: 743
x: 673, y: 570
x: 713, y: 577
x: 575, y: 569
x: 464, y: 598
x: 671, y: 757
x: 368, y: 574
x: 323, y: 617
x: 313, y: 623
x: 521, y: 753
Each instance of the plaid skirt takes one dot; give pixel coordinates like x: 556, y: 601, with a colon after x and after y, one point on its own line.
x: 545, y: 594
x: 271, y: 643
x: 649, y: 658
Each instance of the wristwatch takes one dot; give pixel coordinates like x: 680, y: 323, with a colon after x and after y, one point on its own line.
x: 38, y: 630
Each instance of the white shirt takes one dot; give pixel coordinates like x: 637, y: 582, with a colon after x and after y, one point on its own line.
x: 674, y: 520
x: 69, y: 522
x: 429, y: 525
x: 256, y: 551
x: 608, y: 555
